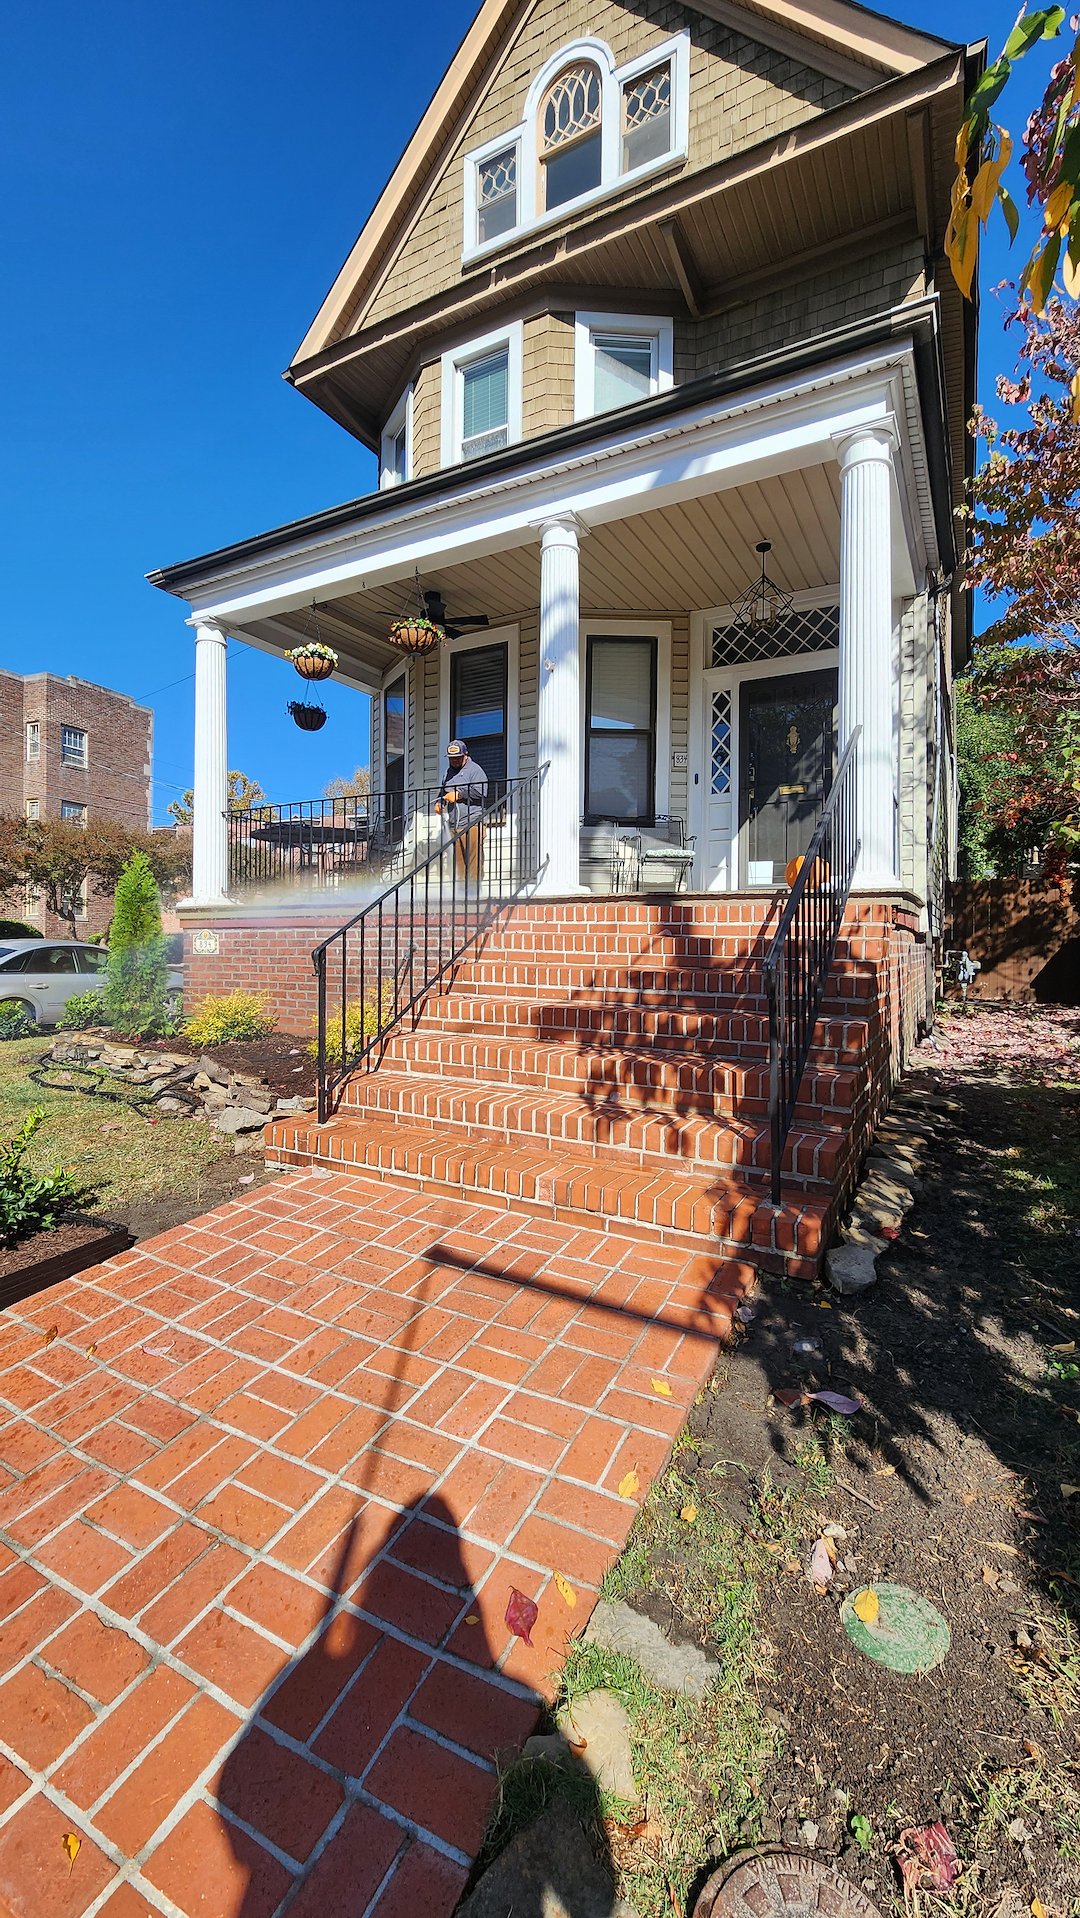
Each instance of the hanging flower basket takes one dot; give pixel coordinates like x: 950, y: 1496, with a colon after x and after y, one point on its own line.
x: 310, y: 719
x: 313, y: 660
x: 415, y: 635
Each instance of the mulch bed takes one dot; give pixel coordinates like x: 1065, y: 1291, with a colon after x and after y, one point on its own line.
x: 282, y: 1062
x: 955, y: 1468
x: 49, y: 1256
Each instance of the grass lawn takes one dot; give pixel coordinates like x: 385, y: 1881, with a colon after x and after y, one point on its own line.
x: 136, y: 1167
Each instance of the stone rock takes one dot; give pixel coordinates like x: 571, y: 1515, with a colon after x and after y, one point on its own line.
x: 213, y: 1071
x: 201, y: 1082
x: 171, y: 1105
x: 673, y: 1668
x: 858, y: 1232
x: 601, y: 1725
x: 850, y: 1269
x: 252, y: 1100
x: 239, y: 1119
x: 296, y: 1104
x: 252, y: 1142
x: 549, y: 1870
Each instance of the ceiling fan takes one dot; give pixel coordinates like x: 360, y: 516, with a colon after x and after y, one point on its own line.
x: 435, y: 607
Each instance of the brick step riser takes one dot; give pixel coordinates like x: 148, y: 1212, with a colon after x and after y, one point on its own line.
x: 740, y: 1052
x: 755, y: 1233
x: 711, y: 1090
x: 476, y: 979
x: 640, y: 1139
x: 845, y: 1041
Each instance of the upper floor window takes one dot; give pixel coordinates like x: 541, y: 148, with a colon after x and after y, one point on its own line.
x: 33, y: 809
x: 620, y: 358
x: 481, y: 396
x: 70, y: 809
x: 73, y: 746
x: 570, y: 135
x: 33, y: 740
x: 395, y: 465
x: 589, y: 127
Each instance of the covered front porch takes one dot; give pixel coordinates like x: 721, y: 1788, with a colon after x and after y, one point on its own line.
x: 593, y: 647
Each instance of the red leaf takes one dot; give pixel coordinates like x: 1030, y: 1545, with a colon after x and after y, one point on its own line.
x: 521, y: 1614
x: 935, y: 1852
x: 784, y: 1396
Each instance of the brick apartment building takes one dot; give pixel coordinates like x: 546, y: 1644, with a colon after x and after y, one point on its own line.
x: 70, y: 749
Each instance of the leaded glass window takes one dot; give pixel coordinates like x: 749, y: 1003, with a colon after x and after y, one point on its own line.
x: 814, y: 629
x: 720, y: 772
x: 570, y: 134
x: 497, y: 194
x: 647, y: 117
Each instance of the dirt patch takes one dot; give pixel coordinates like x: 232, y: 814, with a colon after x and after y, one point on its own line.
x: 949, y: 1481
x: 46, y: 1257
x: 282, y: 1062
x: 228, y: 1178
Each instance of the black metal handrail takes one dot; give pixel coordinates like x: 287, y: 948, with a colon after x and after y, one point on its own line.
x: 321, y: 842
x: 384, y: 960
x: 800, y: 955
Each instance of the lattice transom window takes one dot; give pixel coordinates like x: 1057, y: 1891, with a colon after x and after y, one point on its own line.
x: 570, y: 134
x: 814, y: 629
x: 497, y: 194
x: 647, y: 117
x: 721, y: 744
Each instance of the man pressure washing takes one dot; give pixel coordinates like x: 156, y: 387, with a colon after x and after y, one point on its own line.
x: 461, y: 806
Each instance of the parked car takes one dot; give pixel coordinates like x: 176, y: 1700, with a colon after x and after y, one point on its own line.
x: 41, y: 975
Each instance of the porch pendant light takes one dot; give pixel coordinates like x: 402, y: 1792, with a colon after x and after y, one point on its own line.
x: 412, y: 632
x: 764, y: 603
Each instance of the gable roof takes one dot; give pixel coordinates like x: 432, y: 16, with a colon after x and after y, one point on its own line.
x: 839, y: 36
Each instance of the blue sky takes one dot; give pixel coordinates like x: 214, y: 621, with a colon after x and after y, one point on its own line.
x: 182, y: 184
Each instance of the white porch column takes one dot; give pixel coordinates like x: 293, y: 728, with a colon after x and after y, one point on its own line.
x: 866, y: 623
x: 558, y: 744
x: 210, y: 831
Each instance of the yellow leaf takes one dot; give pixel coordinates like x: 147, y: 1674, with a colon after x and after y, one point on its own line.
x: 885, y: 1471
x: 472, y: 1618
x: 48, y: 1337
x: 72, y: 1845
x: 566, y: 1590
x: 1070, y: 277
x: 1070, y: 1491
x: 866, y: 1606
x: 661, y: 1388
x: 1039, y: 277
x: 1069, y: 1346
x: 1057, y: 206
x: 996, y: 1545
x: 630, y: 1486
x: 90, y: 1350
x: 689, y: 1514
x: 1038, y: 1909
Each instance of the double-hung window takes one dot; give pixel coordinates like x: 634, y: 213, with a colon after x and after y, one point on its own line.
x: 619, y: 358
x: 482, y: 396
x: 646, y: 117
x: 395, y: 462
x: 71, y: 810
x: 620, y: 735
x: 33, y: 809
x: 497, y: 193
x: 33, y: 740
x: 73, y: 746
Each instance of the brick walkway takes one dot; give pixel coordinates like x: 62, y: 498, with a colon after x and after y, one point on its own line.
x: 264, y: 1496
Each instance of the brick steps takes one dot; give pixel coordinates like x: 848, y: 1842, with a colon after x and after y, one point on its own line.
x: 726, y: 1214
x: 603, y: 1127
x: 680, y: 1024
x: 722, y: 986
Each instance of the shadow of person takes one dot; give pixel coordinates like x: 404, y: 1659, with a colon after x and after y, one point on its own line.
x: 391, y: 1728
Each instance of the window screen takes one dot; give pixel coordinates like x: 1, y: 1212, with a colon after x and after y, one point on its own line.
x: 624, y: 368
x: 478, y: 706
x: 485, y: 405
x: 620, y: 746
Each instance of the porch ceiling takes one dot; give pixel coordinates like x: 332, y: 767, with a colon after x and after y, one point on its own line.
x: 679, y: 559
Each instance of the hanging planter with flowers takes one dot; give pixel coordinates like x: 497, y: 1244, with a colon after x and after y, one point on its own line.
x: 310, y: 719
x: 413, y: 632
x: 313, y: 660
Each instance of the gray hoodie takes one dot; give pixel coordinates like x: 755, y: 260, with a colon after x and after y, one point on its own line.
x: 470, y: 781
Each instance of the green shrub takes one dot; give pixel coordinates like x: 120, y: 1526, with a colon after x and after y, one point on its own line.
x: 228, y: 1015
x: 83, y: 1009
x: 137, y: 998
x: 16, y: 929
x: 33, y: 1201
x: 358, y: 1027
x: 15, y: 1021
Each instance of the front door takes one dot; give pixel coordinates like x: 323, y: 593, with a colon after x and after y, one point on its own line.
x: 787, y: 758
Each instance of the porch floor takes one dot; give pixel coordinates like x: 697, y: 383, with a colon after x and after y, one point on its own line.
x: 266, y: 1493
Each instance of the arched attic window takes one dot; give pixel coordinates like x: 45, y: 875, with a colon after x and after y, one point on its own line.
x: 571, y: 133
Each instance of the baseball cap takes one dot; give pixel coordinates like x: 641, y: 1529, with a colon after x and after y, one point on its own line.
x: 457, y: 749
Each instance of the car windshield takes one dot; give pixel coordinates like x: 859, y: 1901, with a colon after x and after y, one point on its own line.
x: 6, y: 952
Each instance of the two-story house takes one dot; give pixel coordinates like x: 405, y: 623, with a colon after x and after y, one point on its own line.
x: 652, y: 335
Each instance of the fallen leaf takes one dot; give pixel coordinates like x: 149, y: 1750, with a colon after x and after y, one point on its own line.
x: 991, y: 1575
x: 1038, y: 1909
x: 836, y: 1402
x: 629, y: 1485
x: 521, y: 1614
x: 866, y: 1606
x: 246, y: 1178
x: 158, y: 1351
x: 72, y: 1844
x: 996, y: 1545
x: 1033, y: 1750
x: 785, y: 1396
x: 1068, y: 1346
x: 935, y: 1860
x: 661, y: 1388
x: 472, y: 1618
x: 830, y: 1547
x: 48, y: 1337
x: 578, y: 1745
x: 833, y: 1530
x: 565, y: 1589
x: 819, y: 1566
x: 1070, y: 1491
x: 91, y: 1349
x: 689, y: 1514
x: 885, y: 1471
x: 890, y: 1231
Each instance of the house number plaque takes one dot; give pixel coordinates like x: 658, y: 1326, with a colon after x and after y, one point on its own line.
x: 205, y: 943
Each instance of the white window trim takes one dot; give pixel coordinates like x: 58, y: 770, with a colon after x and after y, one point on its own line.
x: 531, y: 216
x: 32, y: 809
x: 660, y: 630
x: 390, y: 679
x: 453, y: 386
x: 650, y: 326
x: 509, y: 637
x: 402, y: 415
x: 77, y: 765
x: 33, y: 731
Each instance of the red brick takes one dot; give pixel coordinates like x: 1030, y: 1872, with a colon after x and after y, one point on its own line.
x: 13, y: 1783
x: 318, y: 1528
x: 146, y: 1580
x: 375, y: 1701
x: 439, y: 1791
x: 209, y: 1865
x: 410, y: 1604
x: 96, y: 1657
x: 121, y: 1735
x: 440, y: 1552
x: 278, y: 1602
x: 174, y: 1611
x: 132, y: 1516
x: 40, y: 1716
x: 35, y: 1881
x: 83, y: 1557
x: 137, y: 1807
x: 238, y: 1660
x: 475, y: 1712
x: 305, y: 1696
x: 241, y: 1515
x: 560, y: 1549
x: 350, y: 1870
x: 286, y: 1799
